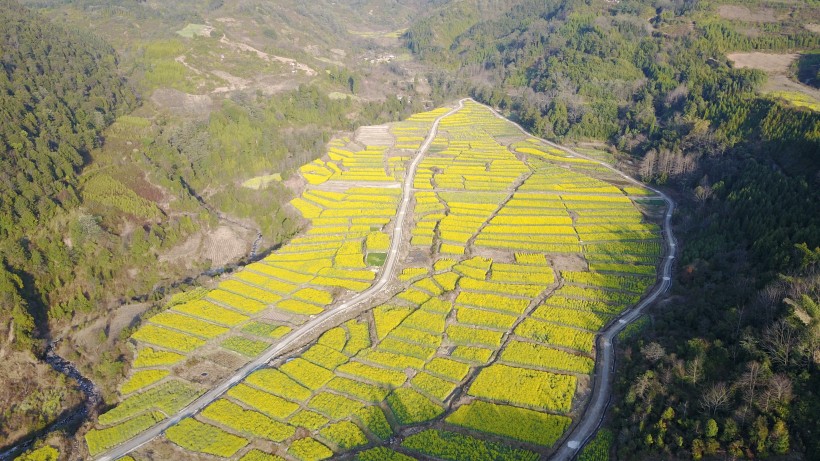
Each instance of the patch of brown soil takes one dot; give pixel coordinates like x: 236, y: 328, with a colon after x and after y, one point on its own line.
x: 124, y: 316
x: 225, y: 244
x: 569, y: 262
x: 182, y: 103
x: 741, y: 13
x: 769, y: 62
x: 185, y: 251
x: 378, y: 135
x: 227, y: 359
x: 777, y: 66
x: 222, y: 245
x: 146, y: 189
x: 207, y: 372
x: 296, y: 184
x: 282, y: 318
x: 161, y: 449
x: 234, y: 82
x: 496, y: 254
x: 272, y: 84
x: 87, y: 339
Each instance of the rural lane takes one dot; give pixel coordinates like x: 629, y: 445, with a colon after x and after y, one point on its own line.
x: 605, y: 358
x: 321, y: 321
x: 594, y: 413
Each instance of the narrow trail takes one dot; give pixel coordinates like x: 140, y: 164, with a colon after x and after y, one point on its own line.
x: 599, y: 400
x: 324, y: 321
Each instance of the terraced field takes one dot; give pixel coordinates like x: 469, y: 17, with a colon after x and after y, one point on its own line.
x: 516, y: 254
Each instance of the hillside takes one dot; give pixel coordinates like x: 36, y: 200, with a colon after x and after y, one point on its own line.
x: 738, y: 153
x: 188, y: 180
x: 490, y: 275
x: 149, y: 147
x: 58, y: 91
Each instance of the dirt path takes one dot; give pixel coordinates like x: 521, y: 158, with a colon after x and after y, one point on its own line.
x: 269, y: 57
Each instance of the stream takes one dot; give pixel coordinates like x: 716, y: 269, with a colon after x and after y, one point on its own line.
x: 70, y: 419
x: 87, y: 387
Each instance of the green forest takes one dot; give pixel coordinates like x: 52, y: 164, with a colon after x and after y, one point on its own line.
x: 60, y: 89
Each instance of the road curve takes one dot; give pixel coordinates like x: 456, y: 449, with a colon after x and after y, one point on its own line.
x: 605, y: 357
x: 323, y: 320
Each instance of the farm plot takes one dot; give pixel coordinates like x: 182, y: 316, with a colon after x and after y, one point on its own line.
x: 518, y: 255
x: 339, y: 253
x: 138, y: 412
x: 512, y: 422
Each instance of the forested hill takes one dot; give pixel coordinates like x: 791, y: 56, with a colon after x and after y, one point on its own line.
x: 58, y: 90
x: 728, y: 367
x: 617, y: 71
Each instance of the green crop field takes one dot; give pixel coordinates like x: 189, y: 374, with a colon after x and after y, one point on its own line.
x: 484, y: 307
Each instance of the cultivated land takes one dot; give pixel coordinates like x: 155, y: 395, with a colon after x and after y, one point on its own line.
x: 779, y: 83
x: 443, y: 302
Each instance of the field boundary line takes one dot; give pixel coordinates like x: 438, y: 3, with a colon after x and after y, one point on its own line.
x: 595, y: 411
x: 325, y: 320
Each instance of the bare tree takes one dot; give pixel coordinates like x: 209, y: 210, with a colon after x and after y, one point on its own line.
x: 653, y: 351
x: 649, y: 165
x: 768, y: 301
x: 694, y: 369
x: 678, y: 94
x: 780, y: 340
x: 741, y: 309
x: 716, y: 397
x: 702, y: 194
x: 778, y: 390
x: 750, y: 380
x: 642, y: 385
x: 666, y: 374
x: 679, y: 367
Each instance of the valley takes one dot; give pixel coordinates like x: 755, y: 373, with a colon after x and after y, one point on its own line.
x: 513, y: 275
x: 421, y: 229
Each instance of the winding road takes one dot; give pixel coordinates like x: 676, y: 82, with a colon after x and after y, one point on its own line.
x: 594, y: 413
x: 322, y: 321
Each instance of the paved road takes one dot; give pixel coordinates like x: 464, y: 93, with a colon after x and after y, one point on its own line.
x: 605, y: 357
x: 323, y: 321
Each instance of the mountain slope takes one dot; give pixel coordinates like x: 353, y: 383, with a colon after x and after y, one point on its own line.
x: 656, y: 84
x: 58, y: 91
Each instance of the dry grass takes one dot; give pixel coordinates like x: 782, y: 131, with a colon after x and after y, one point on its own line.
x: 769, y: 62
x: 222, y: 245
x: 777, y: 66
x: 192, y: 105
x: 742, y: 13
x: 375, y: 135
